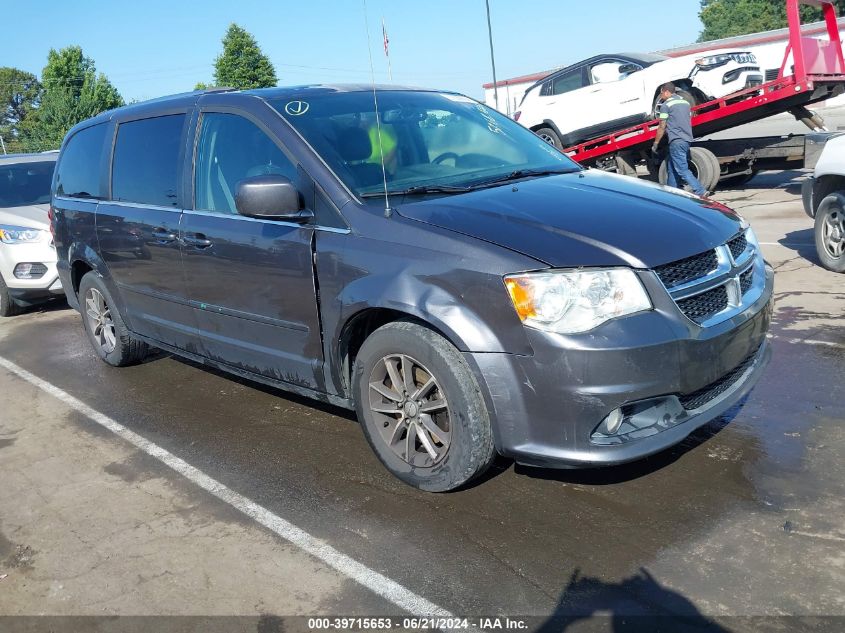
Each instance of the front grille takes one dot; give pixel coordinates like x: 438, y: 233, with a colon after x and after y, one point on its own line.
x: 699, y: 398
x: 684, y: 270
x: 738, y: 245
x: 702, y: 306
x: 745, y: 280
x: 772, y: 74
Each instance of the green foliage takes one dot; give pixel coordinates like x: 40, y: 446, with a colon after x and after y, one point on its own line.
x: 201, y: 85
x: 728, y: 18
x: 20, y: 92
x: 242, y: 65
x: 73, y: 92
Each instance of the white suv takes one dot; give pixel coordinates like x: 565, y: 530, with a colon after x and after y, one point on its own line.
x: 27, y: 255
x: 611, y: 92
x: 824, y: 196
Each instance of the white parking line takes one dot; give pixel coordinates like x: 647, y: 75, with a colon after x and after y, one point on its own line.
x: 805, y: 341
x: 363, y: 575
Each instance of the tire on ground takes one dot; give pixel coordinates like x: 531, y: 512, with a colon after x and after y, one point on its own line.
x: 831, y: 212
x: 470, y: 451
x: 704, y: 165
x: 128, y: 350
x: 550, y: 136
x: 8, y: 307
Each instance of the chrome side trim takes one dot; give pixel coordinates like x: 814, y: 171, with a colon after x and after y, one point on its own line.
x: 243, y: 218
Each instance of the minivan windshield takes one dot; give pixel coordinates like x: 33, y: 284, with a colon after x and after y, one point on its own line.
x: 23, y: 184
x: 431, y: 142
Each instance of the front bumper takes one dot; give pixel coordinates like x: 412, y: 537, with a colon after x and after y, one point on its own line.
x: 30, y: 291
x: 726, y: 80
x: 546, y: 407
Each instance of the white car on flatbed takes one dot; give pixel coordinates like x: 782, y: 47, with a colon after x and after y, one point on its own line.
x: 610, y: 92
x: 27, y: 256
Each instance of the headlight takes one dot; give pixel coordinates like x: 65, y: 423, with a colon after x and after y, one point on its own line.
x: 20, y: 235
x: 713, y: 61
x: 751, y: 238
x: 572, y: 301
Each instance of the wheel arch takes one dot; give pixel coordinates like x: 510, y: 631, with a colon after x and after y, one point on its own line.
x: 547, y: 123
x: 824, y: 186
x: 683, y: 84
x: 83, y: 259
x: 361, y: 324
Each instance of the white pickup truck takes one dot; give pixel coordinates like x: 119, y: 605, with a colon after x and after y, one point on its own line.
x: 824, y: 198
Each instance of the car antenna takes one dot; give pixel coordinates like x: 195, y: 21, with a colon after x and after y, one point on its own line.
x: 387, y: 210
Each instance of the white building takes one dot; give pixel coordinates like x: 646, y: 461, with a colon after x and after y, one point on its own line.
x: 769, y: 47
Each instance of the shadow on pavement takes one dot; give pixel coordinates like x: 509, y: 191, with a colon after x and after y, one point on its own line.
x: 803, y: 243
x: 638, y: 603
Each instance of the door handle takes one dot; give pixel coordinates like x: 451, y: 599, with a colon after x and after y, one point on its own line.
x: 163, y: 235
x: 197, y: 240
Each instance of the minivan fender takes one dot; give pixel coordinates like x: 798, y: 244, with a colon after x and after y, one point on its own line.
x: 463, y: 323
x: 80, y: 253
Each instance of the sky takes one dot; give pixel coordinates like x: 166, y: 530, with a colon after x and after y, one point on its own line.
x: 156, y: 47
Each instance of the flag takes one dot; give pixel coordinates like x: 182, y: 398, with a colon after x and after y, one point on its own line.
x: 386, y: 41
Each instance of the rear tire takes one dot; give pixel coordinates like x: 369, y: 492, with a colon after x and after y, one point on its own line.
x: 704, y: 165
x: 107, y: 332
x: 550, y: 136
x: 830, y: 232
x: 435, y: 437
x: 8, y: 307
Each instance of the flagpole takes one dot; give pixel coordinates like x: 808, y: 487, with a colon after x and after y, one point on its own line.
x: 492, y: 59
x: 386, y: 53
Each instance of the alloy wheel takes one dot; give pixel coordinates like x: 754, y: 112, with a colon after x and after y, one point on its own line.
x: 410, y: 410
x: 833, y: 234
x: 99, y: 320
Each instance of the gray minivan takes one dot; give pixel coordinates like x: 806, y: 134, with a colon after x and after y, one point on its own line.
x: 415, y: 256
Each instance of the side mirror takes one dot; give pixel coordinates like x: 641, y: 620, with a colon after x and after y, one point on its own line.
x: 272, y: 197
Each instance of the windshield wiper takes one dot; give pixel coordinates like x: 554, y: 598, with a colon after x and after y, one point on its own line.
x: 417, y: 190
x: 522, y: 173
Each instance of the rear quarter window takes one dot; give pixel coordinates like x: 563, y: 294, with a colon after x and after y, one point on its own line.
x: 145, y: 169
x: 78, y: 171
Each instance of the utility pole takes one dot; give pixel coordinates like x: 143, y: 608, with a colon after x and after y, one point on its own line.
x: 492, y: 58
x: 3, y: 145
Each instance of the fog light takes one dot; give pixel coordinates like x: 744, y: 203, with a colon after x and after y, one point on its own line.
x: 30, y: 271
x: 613, y: 421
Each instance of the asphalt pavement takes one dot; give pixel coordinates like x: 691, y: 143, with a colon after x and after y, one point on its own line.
x: 745, y: 518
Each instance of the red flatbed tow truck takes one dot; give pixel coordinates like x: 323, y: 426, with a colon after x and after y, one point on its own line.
x: 818, y: 74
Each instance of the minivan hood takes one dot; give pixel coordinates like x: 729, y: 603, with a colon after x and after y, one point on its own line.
x: 31, y: 216
x: 590, y: 218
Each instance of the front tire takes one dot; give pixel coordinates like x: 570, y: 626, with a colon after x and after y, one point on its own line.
x: 8, y: 307
x: 830, y: 232
x: 107, y: 332
x: 550, y: 136
x: 421, y: 408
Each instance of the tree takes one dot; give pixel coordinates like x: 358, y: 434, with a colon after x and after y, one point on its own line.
x: 728, y: 18
x: 242, y: 65
x: 19, y: 94
x: 73, y: 92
